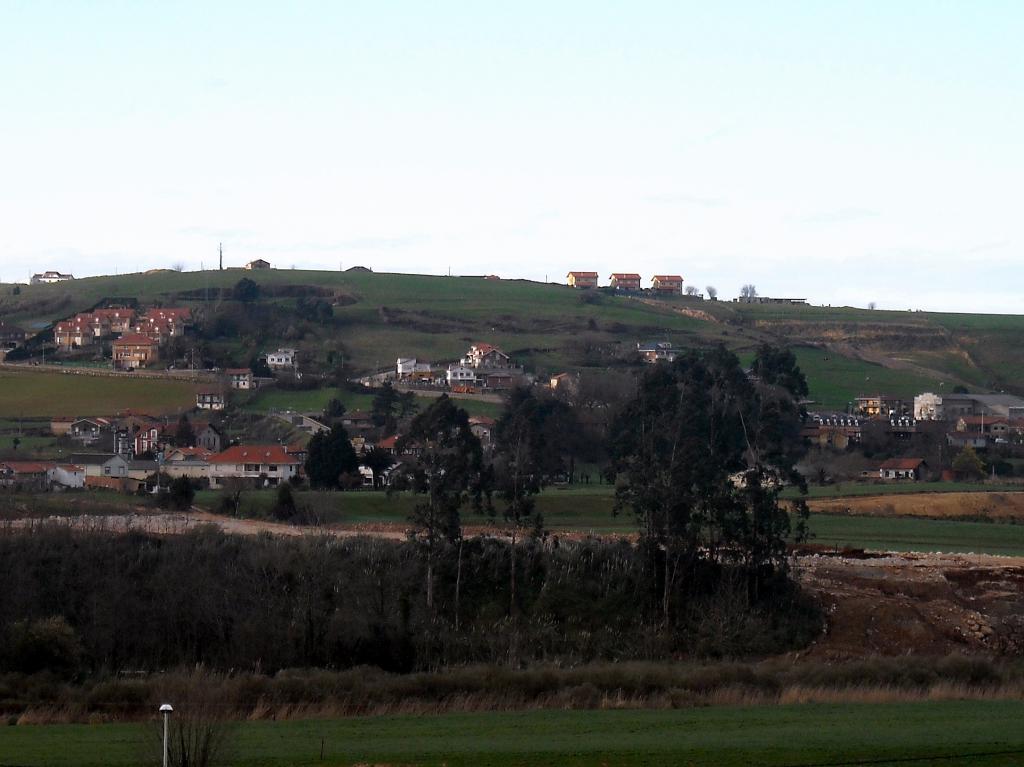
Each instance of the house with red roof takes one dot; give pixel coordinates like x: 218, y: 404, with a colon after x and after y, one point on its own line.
x: 625, y: 281
x: 902, y: 468
x: 582, y: 280
x: 261, y: 465
x: 486, y: 356
x: 667, y: 283
x: 134, y: 350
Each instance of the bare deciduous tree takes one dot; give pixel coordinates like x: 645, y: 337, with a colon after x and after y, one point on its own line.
x: 712, y: 292
x: 748, y: 291
x: 178, y: 266
x: 872, y: 305
x: 691, y: 290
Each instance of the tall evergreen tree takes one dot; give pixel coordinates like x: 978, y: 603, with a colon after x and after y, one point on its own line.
x: 329, y: 457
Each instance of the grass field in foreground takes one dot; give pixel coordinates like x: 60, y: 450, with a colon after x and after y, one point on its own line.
x: 851, y: 490
x: 983, y: 733
x: 29, y: 394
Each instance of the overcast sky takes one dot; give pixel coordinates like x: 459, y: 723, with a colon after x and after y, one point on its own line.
x: 843, y: 152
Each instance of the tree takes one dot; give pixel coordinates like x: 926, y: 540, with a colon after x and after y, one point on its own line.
x: 259, y: 367
x: 378, y: 461
x: 691, y: 290
x: 872, y: 305
x: 284, y: 508
x: 334, y: 409
x: 246, y: 290
x: 960, y: 389
x: 385, y: 404
x: 330, y: 455
x: 777, y: 366
x: 700, y: 455
x: 536, y: 440
x: 968, y: 465
x: 448, y: 472
x: 712, y: 292
x: 748, y: 291
x: 184, y: 436
x: 16, y: 443
x: 180, y: 494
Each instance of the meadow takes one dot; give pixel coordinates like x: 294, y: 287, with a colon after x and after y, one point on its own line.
x: 33, y: 394
x: 589, y: 510
x: 315, y: 401
x: 985, y: 733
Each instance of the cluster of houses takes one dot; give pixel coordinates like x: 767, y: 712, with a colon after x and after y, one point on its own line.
x: 671, y: 284
x: 135, y: 336
x: 484, y: 367
x: 979, y: 421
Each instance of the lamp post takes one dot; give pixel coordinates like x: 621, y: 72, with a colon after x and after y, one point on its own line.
x: 166, y: 710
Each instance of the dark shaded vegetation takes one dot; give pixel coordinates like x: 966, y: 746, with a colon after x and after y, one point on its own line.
x: 78, y: 604
x: 365, y: 690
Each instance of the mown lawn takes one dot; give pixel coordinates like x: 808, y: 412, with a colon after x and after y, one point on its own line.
x: 31, y: 393
x: 983, y: 733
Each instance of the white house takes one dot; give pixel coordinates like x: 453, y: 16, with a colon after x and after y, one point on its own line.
x: 266, y: 465
x: 282, y: 358
x: 410, y: 367
x: 47, y: 277
x: 101, y: 464
x: 240, y: 378
x: 67, y: 475
x: 210, y: 400
x: 928, y: 407
x: 460, y: 374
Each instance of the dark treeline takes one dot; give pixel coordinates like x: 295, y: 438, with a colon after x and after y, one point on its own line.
x: 94, y: 603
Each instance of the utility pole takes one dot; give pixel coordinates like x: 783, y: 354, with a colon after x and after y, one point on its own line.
x: 221, y: 251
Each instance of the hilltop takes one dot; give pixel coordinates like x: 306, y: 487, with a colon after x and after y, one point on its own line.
x: 549, y: 327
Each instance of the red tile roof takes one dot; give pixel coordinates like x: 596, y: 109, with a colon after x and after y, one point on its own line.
x: 902, y: 464
x: 583, y: 274
x: 254, y: 454
x: 28, y: 467
x: 135, y: 339
x: 624, y: 276
x: 668, y: 277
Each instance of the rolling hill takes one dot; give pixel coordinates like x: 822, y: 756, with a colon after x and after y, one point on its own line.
x: 549, y: 328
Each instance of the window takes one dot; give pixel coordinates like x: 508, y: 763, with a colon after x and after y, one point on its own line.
x: 252, y: 467
x: 273, y: 467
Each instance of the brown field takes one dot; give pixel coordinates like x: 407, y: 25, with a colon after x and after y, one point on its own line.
x: 975, y: 506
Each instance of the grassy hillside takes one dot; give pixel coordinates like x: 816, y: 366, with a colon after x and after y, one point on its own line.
x: 548, y: 327
x: 31, y: 394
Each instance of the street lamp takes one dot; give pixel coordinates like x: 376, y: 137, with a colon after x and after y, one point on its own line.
x: 166, y: 710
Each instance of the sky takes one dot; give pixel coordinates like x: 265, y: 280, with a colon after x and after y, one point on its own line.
x: 845, y: 152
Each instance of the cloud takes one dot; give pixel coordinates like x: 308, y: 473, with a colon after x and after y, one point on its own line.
x: 840, y: 216
x: 671, y: 198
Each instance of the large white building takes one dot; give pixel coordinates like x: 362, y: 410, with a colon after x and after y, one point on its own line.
x: 44, y: 278
x: 282, y: 358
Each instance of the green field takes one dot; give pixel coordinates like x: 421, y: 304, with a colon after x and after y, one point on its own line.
x: 588, y: 509
x: 984, y: 733
x: 916, y: 534
x: 30, y: 394
x: 315, y: 400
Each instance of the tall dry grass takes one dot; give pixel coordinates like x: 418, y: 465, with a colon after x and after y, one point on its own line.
x: 305, y: 694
